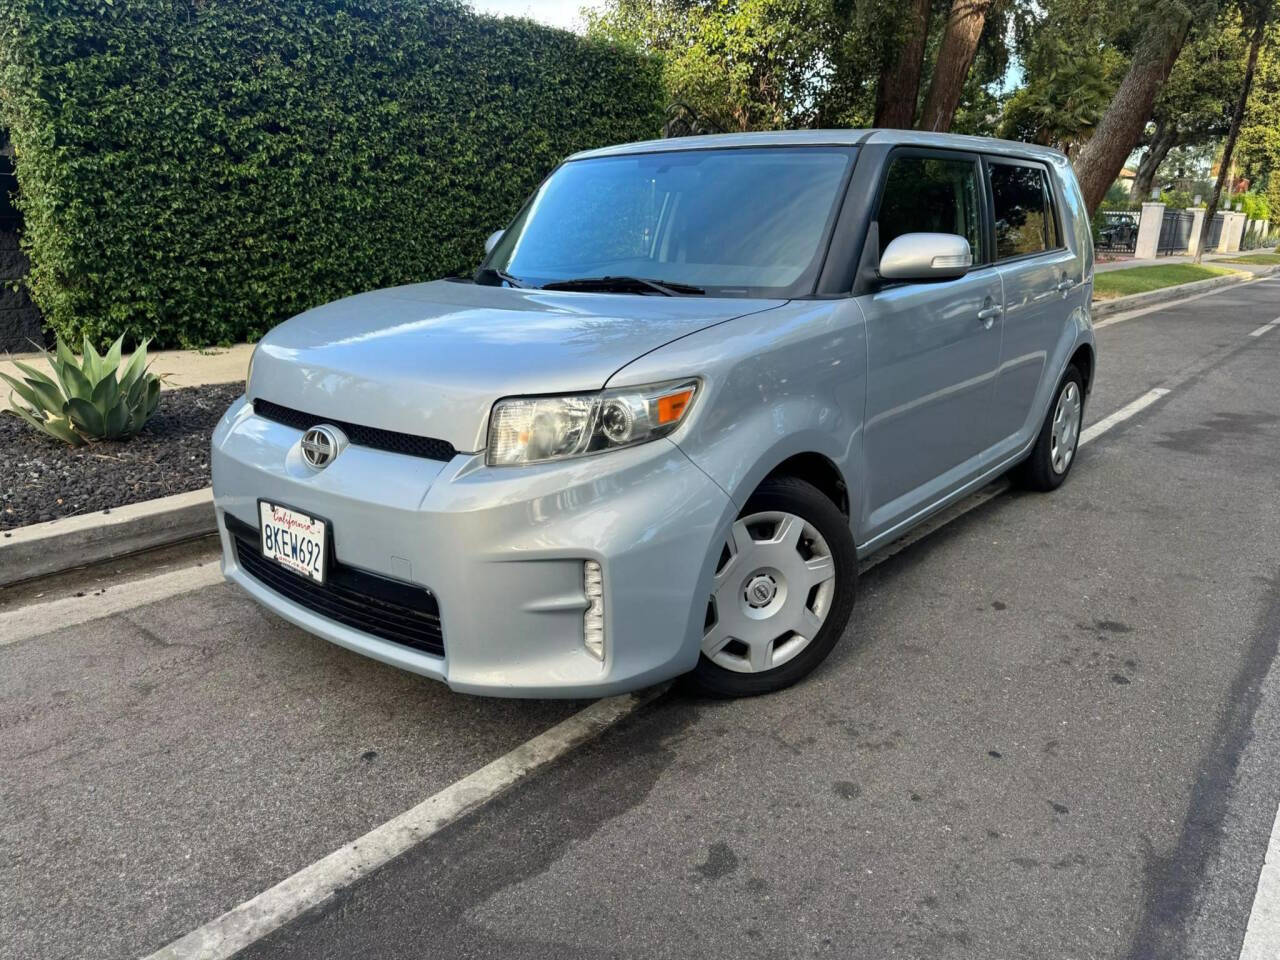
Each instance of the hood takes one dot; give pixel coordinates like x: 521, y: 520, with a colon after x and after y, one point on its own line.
x: 430, y: 359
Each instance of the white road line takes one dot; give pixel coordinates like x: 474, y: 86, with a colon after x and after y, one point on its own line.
x: 1262, y: 935
x: 993, y: 490
x: 1264, y: 328
x: 1121, y: 415
x: 312, y: 885
x: 50, y: 615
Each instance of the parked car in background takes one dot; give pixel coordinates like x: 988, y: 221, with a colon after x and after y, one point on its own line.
x: 691, y: 383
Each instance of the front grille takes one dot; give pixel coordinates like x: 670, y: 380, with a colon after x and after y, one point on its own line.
x: 379, y: 439
x: 385, y: 608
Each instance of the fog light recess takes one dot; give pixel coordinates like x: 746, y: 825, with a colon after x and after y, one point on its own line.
x: 593, y: 619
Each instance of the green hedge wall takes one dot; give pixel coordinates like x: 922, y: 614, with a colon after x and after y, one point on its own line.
x: 199, y: 171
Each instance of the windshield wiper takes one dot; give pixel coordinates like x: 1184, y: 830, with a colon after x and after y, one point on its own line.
x: 492, y: 276
x: 623, y: 284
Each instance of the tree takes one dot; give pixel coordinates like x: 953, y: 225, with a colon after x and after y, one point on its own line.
x: 1257, y: 14
x: 1070, y: 80
x: 898, y: 88
x: 1258, y: 147
x: 1194, y: 105
x: 1165, y: 27
x: 959, y: 46
x: 742, y: 64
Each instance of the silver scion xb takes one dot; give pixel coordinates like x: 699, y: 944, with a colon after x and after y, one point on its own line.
x: 692, y: 382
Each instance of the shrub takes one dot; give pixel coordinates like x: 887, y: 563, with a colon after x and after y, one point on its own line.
x: 1255, y: 206
x: 1176, y: 199
x: 87, y: 401
x: 195, y: 172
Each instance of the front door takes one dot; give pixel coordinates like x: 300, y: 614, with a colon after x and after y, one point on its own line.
x: 933, y: 348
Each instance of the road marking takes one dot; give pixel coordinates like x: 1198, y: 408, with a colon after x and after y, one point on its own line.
x: 1262, y: 935
x: 1265, y: 327
x: 1121, y: 415
x: 47, y: 616
x: 312, y: 885
x: 997, y: 487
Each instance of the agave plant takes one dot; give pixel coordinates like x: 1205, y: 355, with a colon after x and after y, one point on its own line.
x: 85, y: 399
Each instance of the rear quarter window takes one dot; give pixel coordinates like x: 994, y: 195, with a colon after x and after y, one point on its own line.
x: 1025, y: 222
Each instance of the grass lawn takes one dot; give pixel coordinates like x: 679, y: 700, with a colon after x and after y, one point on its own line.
x: 1266, y: 259
x: 1122, y: 283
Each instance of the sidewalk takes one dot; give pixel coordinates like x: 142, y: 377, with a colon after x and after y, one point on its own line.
x: 180, y: 368
x: 1208, y: 258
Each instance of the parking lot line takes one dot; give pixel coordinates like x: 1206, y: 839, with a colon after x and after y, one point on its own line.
x: 1264, y: 328
x: 47, y: 616
x: 1262, y: 935
x: 312, y: 885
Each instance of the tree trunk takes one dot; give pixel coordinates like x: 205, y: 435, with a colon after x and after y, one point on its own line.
x: 1165, y: 139
x: 1103, y: 157
x: 955, y: 57
x: 1237, y: 117
x: 899, y: 86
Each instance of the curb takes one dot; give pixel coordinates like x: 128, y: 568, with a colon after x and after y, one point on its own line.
x: 40, y: 549
x: 1104, y: 308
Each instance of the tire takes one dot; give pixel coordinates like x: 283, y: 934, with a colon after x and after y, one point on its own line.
x: 1050, y: 460
x: 771, y: 577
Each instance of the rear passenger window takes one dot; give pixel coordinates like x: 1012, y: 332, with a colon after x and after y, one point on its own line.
x: 1023, y: 210
x: 932, y: 195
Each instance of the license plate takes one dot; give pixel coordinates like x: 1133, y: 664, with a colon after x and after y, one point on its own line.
x: 294, y: 540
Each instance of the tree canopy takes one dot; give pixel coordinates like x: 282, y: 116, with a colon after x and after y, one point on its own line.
x: 1109, y: 82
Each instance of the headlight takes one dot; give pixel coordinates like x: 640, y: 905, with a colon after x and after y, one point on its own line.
x: 537, y: 429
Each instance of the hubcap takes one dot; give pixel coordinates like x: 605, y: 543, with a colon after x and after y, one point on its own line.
x: 1066, y: 427
x: 772, y: 591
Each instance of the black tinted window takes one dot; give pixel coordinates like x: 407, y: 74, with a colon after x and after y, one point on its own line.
x: 930, y: 195
x: 1024, y: 212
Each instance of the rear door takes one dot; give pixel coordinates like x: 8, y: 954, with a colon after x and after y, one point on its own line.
x: 1039, y: 274
x: 933, y: 347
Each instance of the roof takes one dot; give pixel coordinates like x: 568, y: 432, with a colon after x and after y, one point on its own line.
x: 814, y: 138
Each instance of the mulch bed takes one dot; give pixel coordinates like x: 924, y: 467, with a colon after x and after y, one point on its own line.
x: 44, y: 479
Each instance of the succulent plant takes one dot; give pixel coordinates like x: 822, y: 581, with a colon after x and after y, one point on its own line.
x: 85, y: 399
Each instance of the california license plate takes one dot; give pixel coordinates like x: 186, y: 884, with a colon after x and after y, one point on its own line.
x: 294, y: 540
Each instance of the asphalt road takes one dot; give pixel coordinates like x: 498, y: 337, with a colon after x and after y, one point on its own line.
x: 1052, y: 730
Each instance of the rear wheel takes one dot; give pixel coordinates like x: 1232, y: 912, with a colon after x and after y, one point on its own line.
x: 1051, y: 458
x: 782, y: 594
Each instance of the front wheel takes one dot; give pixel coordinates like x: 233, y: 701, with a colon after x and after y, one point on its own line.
x: 1054, y: 452
x: 782, y: 594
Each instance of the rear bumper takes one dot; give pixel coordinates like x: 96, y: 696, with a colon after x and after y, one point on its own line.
x: 502, y: 552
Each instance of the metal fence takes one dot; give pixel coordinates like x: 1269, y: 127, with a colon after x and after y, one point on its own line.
x: 1119, y: 231
x: 1175, y: 232
x: 1215, y: 233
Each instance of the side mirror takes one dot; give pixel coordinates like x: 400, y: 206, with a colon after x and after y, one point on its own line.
x: 926, y: 256
x: 492, y: 241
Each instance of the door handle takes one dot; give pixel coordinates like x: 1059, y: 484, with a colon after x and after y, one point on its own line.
x: 1065, y: 284
x: 989, y: 313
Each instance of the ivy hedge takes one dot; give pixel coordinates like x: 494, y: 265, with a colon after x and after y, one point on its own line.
x: 196, y: 171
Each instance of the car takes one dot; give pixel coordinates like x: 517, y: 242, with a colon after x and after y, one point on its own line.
x: 689, y: 386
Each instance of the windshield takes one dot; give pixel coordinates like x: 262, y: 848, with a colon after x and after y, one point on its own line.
x: 731, y: 222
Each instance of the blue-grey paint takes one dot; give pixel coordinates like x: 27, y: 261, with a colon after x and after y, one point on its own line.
x: 912, y: 397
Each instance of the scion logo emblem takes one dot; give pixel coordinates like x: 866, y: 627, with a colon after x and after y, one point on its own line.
x: 319, y: 446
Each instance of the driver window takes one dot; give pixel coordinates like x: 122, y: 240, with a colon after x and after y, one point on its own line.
x: 932, y: 195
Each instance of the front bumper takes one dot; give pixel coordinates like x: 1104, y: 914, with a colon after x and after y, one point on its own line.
x: 502, y: 550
